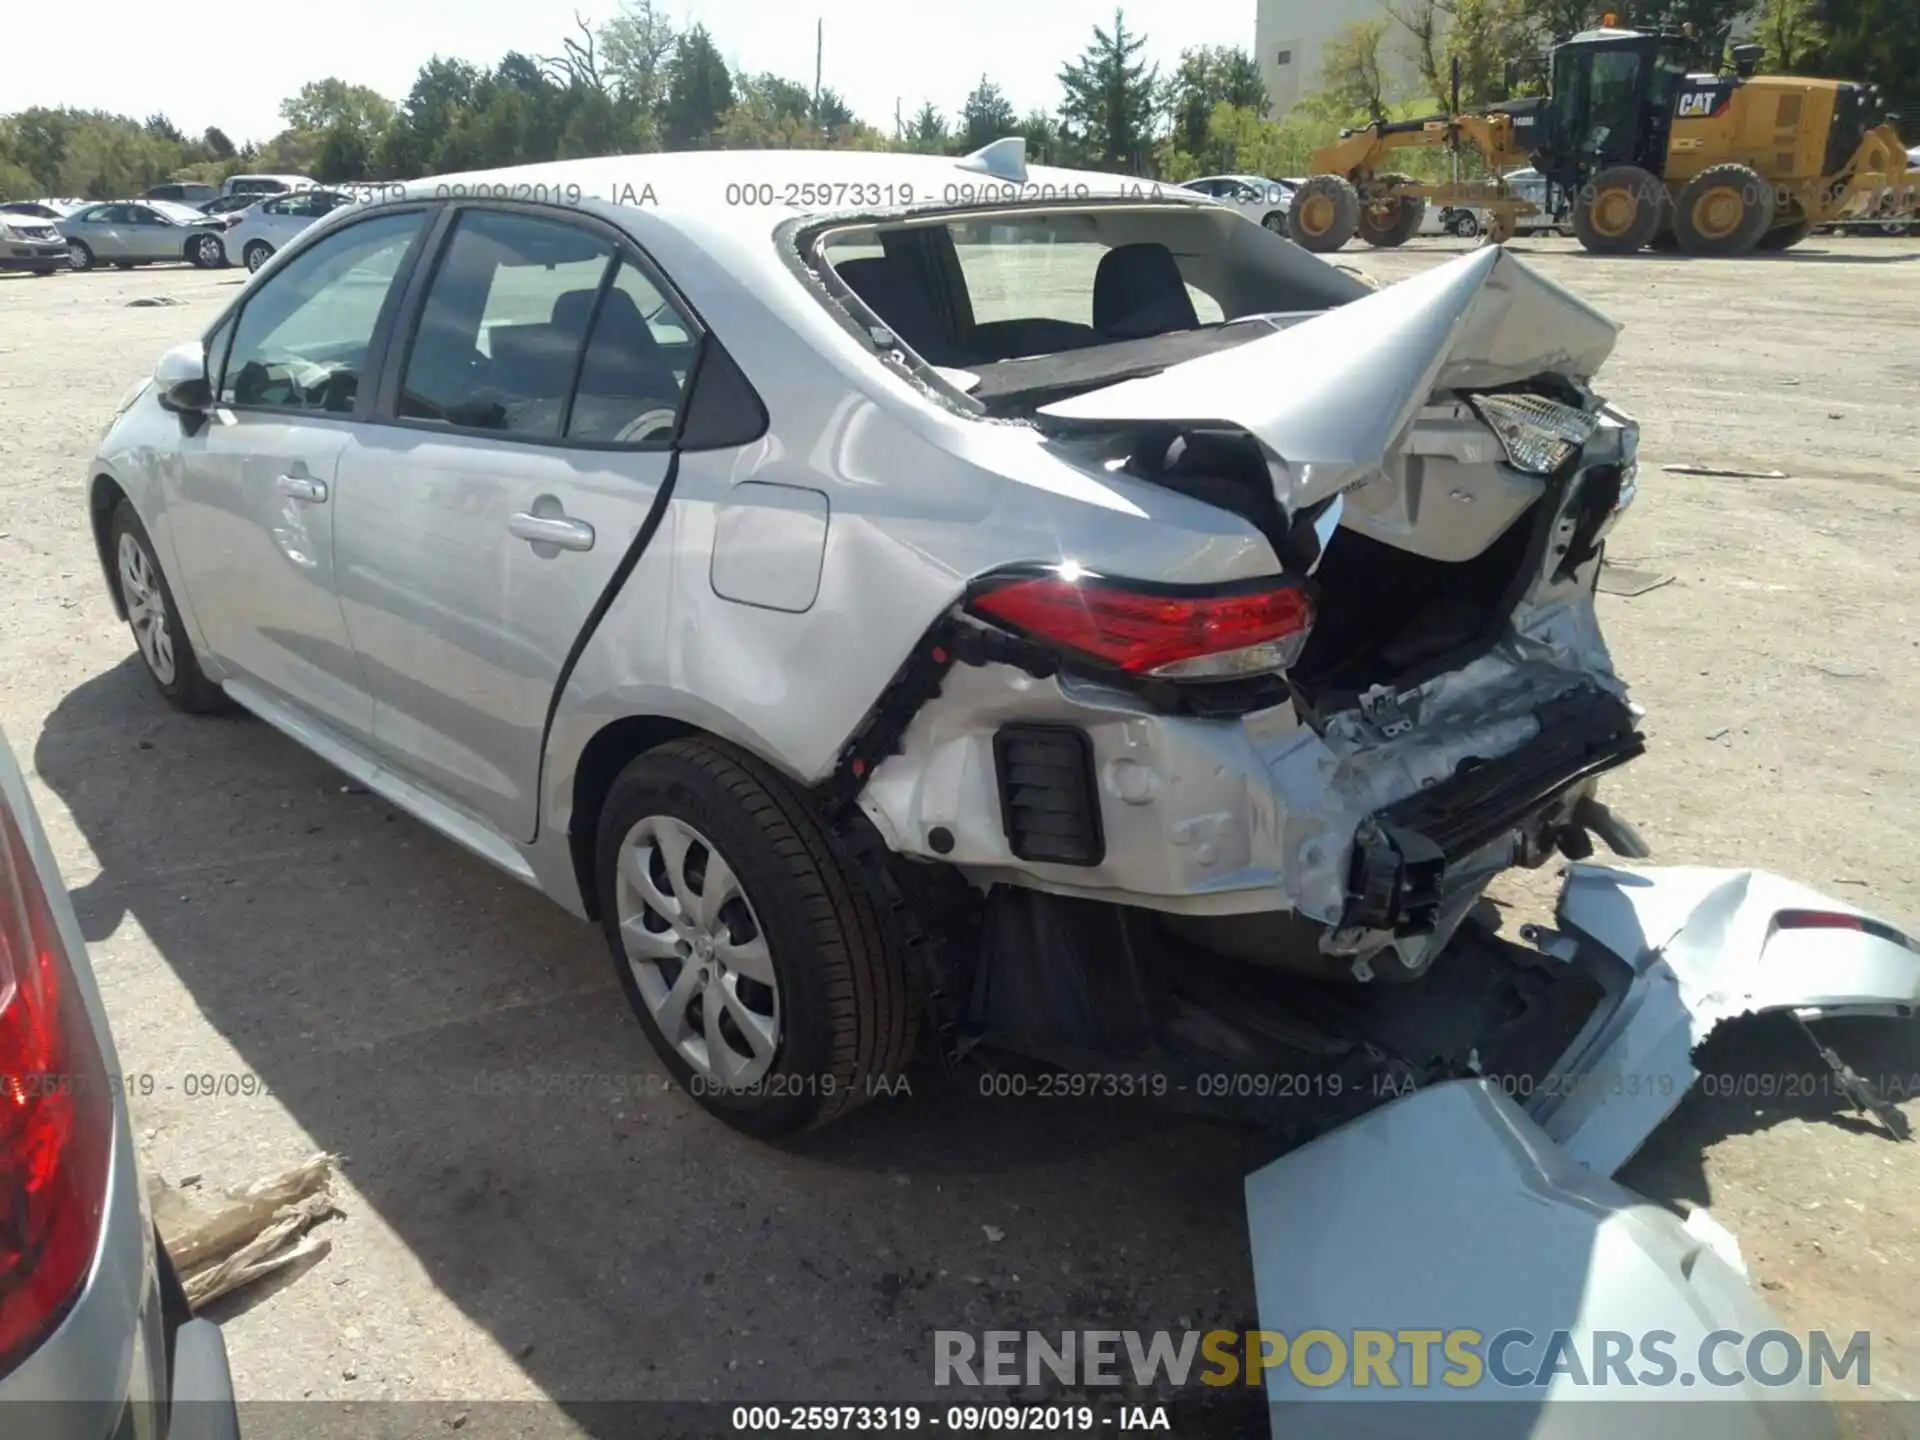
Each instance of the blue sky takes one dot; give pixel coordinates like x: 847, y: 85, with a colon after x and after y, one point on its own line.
x: 232, y: 66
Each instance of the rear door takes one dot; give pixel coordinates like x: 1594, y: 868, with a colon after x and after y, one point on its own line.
x: 524, y: 433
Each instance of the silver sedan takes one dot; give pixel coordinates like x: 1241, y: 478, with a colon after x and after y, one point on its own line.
x: 127, y: 233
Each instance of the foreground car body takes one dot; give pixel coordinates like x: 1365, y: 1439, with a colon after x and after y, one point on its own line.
x: 95, y: 1337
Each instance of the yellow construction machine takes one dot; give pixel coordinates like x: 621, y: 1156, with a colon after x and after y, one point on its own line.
x: 1639, y: 147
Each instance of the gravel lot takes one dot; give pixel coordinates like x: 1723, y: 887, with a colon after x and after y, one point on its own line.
x: 529, y: 1214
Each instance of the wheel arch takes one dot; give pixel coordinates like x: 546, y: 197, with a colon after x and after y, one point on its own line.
x: 103, y: 496
x: 612, y: 748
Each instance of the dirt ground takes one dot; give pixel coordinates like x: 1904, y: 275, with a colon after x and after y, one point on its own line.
x: 529, y: 1214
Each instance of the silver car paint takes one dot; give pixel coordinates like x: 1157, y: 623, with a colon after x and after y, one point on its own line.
x: 1331, y: 397
x: 1703, y: 947
x: 109, y: 1352
x: 919, y: 498
x: 1450, y: 1209
x: 1519, y: 1225
x: 152, y: 240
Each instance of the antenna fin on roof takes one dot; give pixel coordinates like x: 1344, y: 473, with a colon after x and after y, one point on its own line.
x: 1004, y: 159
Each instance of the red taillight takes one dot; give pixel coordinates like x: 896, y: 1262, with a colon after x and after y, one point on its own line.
x: 1818, y: 920
x: 56, y: 1114
x: 1180, y: 635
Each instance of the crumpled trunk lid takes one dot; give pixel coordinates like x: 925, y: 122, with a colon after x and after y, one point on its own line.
x: 1331, y: 399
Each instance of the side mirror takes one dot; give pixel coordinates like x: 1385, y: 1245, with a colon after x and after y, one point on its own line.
x: 180, y: 380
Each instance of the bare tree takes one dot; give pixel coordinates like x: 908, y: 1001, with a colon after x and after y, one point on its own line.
x: 578, y: 63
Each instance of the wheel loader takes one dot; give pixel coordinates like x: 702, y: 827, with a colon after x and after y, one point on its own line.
x: 1642, y: 147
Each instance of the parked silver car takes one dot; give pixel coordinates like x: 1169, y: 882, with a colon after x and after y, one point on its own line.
x: 96, y: 1340
x: 252, y: 238
x: 29, y: 240
x: 126, y: 233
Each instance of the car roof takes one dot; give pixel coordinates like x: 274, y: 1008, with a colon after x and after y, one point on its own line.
x: 750, y: 191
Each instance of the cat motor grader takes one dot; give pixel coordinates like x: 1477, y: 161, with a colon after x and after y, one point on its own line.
x: 1643, y: 148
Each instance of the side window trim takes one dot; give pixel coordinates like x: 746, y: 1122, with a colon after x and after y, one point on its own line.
x: 397, y: 350
x: 382, y: 324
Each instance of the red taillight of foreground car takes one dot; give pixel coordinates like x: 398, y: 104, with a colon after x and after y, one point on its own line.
x: 1840, y: 920
x: 1162, y: 631
x: 56, y: 1113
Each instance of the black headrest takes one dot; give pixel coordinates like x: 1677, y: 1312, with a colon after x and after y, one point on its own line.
x: 620, y: 322
x: 905, y: 307
x: 1137, y: 291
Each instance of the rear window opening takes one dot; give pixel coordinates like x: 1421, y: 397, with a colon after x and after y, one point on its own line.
x: 1035, y: 304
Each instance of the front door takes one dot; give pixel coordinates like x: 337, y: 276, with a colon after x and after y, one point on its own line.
x: 481, y: 521
x: 253, y: 504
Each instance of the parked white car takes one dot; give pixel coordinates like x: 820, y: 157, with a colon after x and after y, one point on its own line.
x: 266, y: 227
x: 1261, y: 200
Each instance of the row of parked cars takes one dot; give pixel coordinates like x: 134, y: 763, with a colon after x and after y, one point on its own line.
x: 241, y: 222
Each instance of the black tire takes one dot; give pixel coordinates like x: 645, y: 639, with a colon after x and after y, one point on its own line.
x: 847, y: 1021
x: 1724, y: 210
x: 1618, y: 211
x: 204, y: 252
x: 79, y: 255
x: 257, y: 254
x: 1276, y: 221
x: 187, y: 689
x: 1465, y: 225
x: 1324, y: 215
x: 1392, y: 222
x: 1785, y: 237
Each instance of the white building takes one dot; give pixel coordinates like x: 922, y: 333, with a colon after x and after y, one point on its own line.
x: 1290, y: 36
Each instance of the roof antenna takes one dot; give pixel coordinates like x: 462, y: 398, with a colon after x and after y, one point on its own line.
x: 1004, y: 159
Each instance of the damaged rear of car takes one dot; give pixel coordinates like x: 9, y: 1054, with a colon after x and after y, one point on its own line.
x: 1193, y: 811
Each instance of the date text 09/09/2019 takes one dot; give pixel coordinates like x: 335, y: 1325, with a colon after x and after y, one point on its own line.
x: 767, y: 194
x: 955, y: 1419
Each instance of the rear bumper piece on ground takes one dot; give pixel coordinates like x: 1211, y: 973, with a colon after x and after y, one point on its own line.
x: 1455, y: 1208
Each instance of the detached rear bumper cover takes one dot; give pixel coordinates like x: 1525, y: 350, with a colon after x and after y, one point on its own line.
x: 1454, y: 1207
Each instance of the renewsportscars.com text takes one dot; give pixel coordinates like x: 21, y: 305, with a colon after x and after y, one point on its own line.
x: 1402, y: 1358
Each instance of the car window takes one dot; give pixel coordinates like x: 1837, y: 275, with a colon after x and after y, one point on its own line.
x: 1031, y: 272
x: 302, y: 339
x: 636, y: 365
x: 100, y: 214
x: 505, y: 319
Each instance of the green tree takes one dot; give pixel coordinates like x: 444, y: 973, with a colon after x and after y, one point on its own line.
x: 1356, y: 78
x: 1106, y: 117
x: 1209, y: 76
x: 699, y: 91
x: 1878, y: 41
x: 435, y: 108
x: 1795, y: 38
x: 985, y: 117
x: 768, y: 112
x: 1043, y: 138
x: 637, y: 44
x: 927, y: 131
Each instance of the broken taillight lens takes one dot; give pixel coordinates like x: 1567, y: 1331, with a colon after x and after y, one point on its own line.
x: 1163, y: 631
x: 56, y: 1113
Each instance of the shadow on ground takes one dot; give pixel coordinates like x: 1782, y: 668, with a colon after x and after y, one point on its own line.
x: 463, y: 1043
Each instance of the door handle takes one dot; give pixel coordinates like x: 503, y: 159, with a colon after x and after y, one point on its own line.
x: 555, y: 530
x: 302, y: 487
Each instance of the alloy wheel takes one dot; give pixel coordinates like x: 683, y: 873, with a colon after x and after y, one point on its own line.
x: 698, y: 953
x: 146, y: 608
